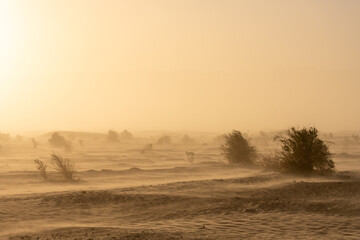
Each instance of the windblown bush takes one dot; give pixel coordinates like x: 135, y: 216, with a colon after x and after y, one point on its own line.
x: 237, y: 149
x: 112, y: 136
x: 126, y: 135
x: 147, y: 148
x: 41, y: 167
x: 34, y: 143
x: 303, y: 152
x: 64, y: 166
x: 59, y: 141
x: 164, y: 140
x: 187, y: 140
x: 190, y: 156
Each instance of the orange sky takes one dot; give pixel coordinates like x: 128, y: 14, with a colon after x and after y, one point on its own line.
x: 179, y: 65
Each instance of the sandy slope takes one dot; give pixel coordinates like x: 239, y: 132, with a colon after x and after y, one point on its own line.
x: 266, y: 206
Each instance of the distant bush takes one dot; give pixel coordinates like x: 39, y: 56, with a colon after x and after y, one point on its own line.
x: 147, y: 148
x: 42, y: 168
x: 237, y: 149
x: 34, y: 143
x: 126, y: 135
x: 112, y: 136
x: 164, y: 140
x: 4, y: 137
x: 303, y: 152
x: 64, y: 166
x: 187, y: 140
x: 59, y: 141
x: 190, y: 156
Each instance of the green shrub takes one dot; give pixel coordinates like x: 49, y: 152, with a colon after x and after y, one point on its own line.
x: 303, y: 152
x: 237, y: 149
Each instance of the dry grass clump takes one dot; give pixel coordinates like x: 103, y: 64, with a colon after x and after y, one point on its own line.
x: 164, y: 140
x: 42, y: 168
x: 303, y: 152
x: 237, y: 149
x: 190, y: 156
x: 64, y: 166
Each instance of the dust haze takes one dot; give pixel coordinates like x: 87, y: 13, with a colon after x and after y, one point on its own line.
x: 171, y: 119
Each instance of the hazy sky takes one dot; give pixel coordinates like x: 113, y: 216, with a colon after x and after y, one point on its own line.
x: 179, y: 65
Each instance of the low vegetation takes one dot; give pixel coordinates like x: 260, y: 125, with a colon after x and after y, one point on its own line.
x: 190, y: 156
x: 112, y: 136
x: 164, y: 140
x: 59, y: 141
x: 238, y: 150
x: 64, y: 166
x: 34, y: 143
x: 187, y: 140
x: 147, y: 148
x: 303, y: 152
x: 126, y: 135
x: 42, y: 168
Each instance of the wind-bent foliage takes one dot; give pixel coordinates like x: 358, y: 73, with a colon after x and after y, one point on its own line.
x: 64, y: 166
x: 303, y: 152
x: 41, y: 167
x: 237, y: 149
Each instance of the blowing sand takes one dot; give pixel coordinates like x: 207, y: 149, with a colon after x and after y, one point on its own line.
x: 124, y: 194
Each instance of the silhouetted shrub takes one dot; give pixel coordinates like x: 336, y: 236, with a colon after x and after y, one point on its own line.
x: 269, y: 163
x: 63, y: 166
x: 237, y: 149
x: 126, y: 135
x: 34, y: 143
x: 303, y: 152
x: 112, y: 136
x: 164, y: 140
x: 4, y: 137
x: 190, y: 156
x: 59, y: 141
x: 187, y: 140
x: 147, y: 148
x: 41, y: 167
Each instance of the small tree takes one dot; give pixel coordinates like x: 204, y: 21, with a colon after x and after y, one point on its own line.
x: 64, y: 166
x: 303, y: 152
x: 237, y: 149
x: 41, y: 167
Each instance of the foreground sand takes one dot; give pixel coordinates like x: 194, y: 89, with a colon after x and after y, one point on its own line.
x: 264, y: 206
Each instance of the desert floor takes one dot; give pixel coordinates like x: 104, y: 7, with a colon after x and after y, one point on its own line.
x: 123, y: 193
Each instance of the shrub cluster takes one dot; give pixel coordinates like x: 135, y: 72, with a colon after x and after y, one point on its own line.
x: 302, y: 151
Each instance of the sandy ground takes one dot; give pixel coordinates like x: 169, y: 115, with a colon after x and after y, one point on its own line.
x: 124, y: 194
x: 267, y: 206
